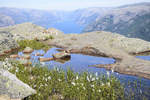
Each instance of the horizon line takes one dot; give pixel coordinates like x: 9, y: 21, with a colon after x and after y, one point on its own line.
x: 74, y: 8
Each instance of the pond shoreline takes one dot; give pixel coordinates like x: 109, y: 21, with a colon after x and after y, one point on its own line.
x: 126, y: 62
x: 107, y: 66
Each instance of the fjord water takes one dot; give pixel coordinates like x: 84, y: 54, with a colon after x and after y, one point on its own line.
x: 69, y: 27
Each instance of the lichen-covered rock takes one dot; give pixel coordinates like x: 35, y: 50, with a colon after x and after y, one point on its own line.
x: 7, y: 43
x: 28, y: 50
x: 53, y: 31
x: 61, y: 55
x: 30, y: 31
x: 11, y: 86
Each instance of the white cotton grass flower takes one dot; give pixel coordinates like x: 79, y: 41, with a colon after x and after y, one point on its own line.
x: 46, y: 79
x: 6, y: 59
x: 90, y: 75
x: 99, y: 90
x: 77, y: 77
x: 34, y: 86
x: 49, y: 78
x: 97, y: 78
x: 93, y: 79
x: 102, y: 84
x: 140, y: 91
x: 25, y: 68
x: 92, y: 86
x: 9, y: 65
x: 88, y: 78
x: 4, y: 63
x: 31, y: 77
x: 43, y: 63
x: 59, y: 80
x: 9, y: 69
x: 46, y: 84
x: 84, y: 88
x: 45, y: 74
x: 112, y: 70
x: 17, y: 69
x: 108, y: 74
x: 96, y: 74
x: 41, y: 85
x: 108, y: 83
x: 73, y: 83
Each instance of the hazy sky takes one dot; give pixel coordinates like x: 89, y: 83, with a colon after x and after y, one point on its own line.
x: 65, y: 4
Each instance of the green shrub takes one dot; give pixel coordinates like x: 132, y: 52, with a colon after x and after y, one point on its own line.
x: 33, y: 44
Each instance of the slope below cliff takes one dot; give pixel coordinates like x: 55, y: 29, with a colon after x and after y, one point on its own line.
x: 131, y: 21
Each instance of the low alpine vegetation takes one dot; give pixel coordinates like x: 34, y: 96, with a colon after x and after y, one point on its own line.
x: 57, y: 84
x: 32, y: 44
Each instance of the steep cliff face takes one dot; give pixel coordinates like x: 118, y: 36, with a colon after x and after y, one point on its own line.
x: 131, y: 21
x: 6, y: 20
x: 88, y: 15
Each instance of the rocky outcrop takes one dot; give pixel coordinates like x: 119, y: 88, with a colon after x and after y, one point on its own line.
x: 112, y: 45
x: 12, y: 87
x: 7, y: 43
x: 28, y: 31
x: 53, y: 31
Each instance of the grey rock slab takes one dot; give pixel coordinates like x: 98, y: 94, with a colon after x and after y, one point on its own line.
x: 11, y: 86
x: 6, y: 41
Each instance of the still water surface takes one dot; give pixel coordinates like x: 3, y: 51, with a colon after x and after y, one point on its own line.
x: 80, y: 63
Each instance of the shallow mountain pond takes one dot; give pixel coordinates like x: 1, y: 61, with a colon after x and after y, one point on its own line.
x: 80, y: 63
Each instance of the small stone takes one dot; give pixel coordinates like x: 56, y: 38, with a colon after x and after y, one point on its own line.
x: 14, y: 56
x: 45, y: 59
x: 26, y: 56
x: 28, y: 50
x: 61, y: 55
x: 8, y: 51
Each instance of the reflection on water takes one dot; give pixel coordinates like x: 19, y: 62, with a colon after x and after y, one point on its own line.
x: 80, y: 63
x: 144, y: 57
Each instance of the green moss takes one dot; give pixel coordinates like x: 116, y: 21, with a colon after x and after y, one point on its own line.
x: 33, y: 44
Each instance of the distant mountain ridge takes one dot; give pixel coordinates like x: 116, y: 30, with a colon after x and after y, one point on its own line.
x: 131, y: 21
x: 51, y: 18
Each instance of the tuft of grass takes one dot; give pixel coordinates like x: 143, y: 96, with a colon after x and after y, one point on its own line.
x: 57, y: 84
x: 49, y: 37
x: 32, y: 44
